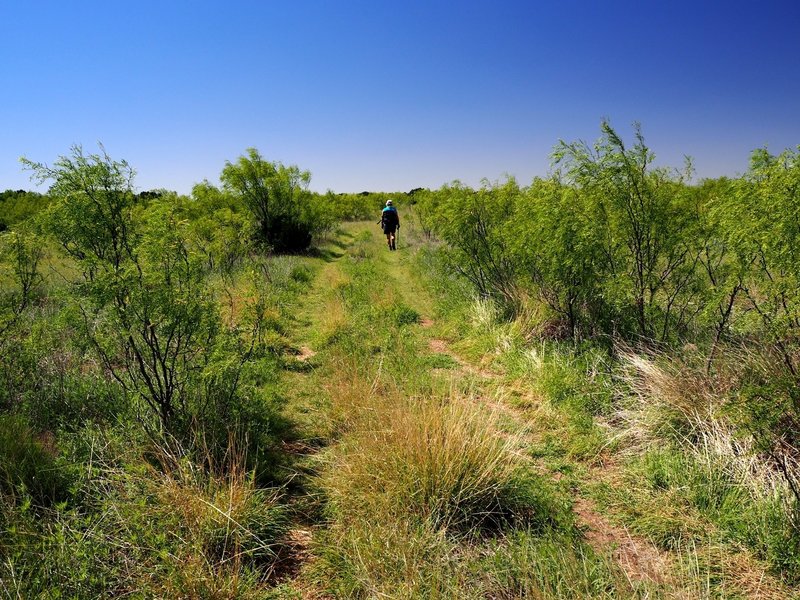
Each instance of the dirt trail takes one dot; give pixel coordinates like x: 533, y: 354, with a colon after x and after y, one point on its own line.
x: 442, y: 347
x: 296, y: 552
x: 640, y: 560
x: 305, y: 354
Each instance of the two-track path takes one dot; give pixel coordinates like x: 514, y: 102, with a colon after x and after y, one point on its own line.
x: 644, y: 565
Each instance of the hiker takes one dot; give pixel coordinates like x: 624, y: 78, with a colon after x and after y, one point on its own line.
x: 390, y: 222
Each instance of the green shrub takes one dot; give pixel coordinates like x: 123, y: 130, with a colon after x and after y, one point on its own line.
x: 441, y: 361
x: 18, y: 205
x: 301, y: 274
x: 285, y: 212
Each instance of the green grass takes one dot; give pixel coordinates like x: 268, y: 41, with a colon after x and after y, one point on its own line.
x: 529, y: 565
x: 29, y: 469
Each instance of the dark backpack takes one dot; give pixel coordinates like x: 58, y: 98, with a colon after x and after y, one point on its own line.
x: 389, y: 217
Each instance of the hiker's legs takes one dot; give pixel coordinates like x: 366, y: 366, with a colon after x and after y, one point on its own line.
x: 390, y: 238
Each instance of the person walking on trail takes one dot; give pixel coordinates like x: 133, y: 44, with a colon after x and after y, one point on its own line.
x: 390, y: 222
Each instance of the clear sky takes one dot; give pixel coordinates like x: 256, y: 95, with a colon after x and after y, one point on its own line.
x: 378, y: 95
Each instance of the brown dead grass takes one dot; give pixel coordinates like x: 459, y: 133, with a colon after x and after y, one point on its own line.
x: 439, y: 346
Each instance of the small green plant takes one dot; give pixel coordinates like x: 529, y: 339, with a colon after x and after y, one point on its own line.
x: 301, y: 274
x: 441, y: 361
x: 404, y: 315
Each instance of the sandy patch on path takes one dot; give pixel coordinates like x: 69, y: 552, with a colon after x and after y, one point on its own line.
x: 305, y: 353
x: 640, y: 560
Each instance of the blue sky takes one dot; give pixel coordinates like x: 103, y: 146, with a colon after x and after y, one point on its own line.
x: 392, y: 95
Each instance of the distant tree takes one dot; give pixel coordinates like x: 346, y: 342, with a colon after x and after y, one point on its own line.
x: 278, y: 198
x: 150, y: 194
x: 18, y: 205
x: 21, y: 251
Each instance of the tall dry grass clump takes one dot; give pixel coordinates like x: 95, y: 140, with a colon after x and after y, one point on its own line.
x: 223, y: 531
x: 666, y: 398
x: 681, y: 402
x: 230, y: 517
x: 413, y: 478
x: 441, y: 461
